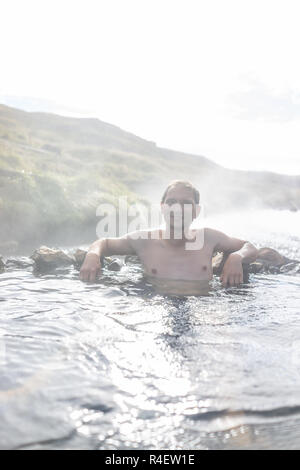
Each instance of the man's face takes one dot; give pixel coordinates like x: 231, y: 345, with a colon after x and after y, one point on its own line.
x: 179, y: 208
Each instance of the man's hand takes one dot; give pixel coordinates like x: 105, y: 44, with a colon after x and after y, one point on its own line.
x: 90, y: 268
x: 232, y: 274
x: 101, y: 248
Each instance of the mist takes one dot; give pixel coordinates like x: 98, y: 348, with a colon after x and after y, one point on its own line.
x: 56, y: 170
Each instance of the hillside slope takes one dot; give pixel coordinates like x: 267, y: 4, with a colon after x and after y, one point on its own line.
x: 54, y: 172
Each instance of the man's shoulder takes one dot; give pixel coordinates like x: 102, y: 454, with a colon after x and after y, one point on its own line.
x: 210, y: 235
x: 208, y: 232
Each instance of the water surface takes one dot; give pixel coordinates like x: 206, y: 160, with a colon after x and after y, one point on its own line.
x: 112, y: 365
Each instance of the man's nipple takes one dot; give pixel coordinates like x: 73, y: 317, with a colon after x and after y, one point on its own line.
x: 154, y: 271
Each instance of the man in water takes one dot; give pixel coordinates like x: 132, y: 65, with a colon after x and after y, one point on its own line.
x: 176, y: 257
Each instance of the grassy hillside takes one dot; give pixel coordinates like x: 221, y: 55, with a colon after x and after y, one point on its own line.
x: 54, y: 172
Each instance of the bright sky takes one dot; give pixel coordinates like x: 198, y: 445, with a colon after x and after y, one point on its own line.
x: 213, y: 77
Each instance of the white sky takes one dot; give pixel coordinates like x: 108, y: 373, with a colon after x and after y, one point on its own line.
x: 218, y: 78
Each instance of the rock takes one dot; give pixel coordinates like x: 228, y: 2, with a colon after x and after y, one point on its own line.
x: 271, y: 257
x: 268, y: 261
x: 256, y: 267
x: 19, y: 263
x: 272, y: 269
x: 79, y: 257
x: 113, y: 264
x: 2, y: 264
x: 274, y: 263
x: 292, y: 268
x: 218, y: 262
x: 47, y: 258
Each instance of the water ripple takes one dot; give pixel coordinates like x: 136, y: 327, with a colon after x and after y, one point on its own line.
x: 113, y: 365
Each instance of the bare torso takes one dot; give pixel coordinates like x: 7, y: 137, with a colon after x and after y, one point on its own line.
x: 185, y: 262
x: 170, y: 266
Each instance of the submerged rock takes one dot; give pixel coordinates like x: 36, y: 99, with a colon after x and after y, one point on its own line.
x: 47, y: 258
x: 2, y: 264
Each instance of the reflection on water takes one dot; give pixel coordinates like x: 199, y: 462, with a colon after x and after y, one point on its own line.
x: 113, y: 365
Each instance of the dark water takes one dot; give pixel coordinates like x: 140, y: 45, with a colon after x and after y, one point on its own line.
x: 112, y: 365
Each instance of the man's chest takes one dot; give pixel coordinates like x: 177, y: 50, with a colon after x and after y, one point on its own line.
x: 177, y: 263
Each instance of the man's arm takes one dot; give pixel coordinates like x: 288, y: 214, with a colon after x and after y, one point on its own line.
x: 241, y: 252
x: 101, y: 248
